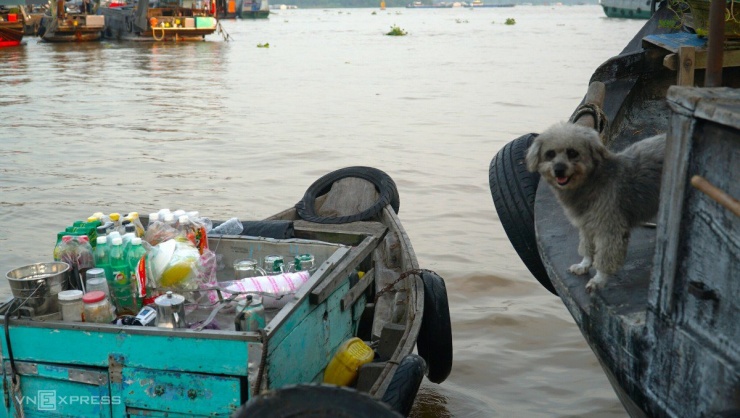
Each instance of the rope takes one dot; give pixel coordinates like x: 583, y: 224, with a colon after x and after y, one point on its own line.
x: 387, y: 288
x: 263, y: 361
x: 154, y: 35
x: 600, y: 120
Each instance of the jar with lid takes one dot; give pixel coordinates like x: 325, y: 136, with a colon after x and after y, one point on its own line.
x: 274, y: 264
x: 70, y: 304
x: 97, y: 307
x: 96, y: 281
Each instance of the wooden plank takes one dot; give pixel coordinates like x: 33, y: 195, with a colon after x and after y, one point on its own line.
x: 357, y: 291
x: 731, y: 58
x: 347, y: 234
x: 673, y: 41
x: 343, y: 270
x: 686, y: 57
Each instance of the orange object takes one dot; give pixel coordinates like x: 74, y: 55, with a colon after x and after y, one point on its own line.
x: 232, y: 6
x: 153, y: 21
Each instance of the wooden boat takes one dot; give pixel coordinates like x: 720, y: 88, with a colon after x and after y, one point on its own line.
x: 629, y: 9
x: 12, y: 18
x: 665, y: 328
x: 86, y: 369
x: 60, y: 25
x: 177, y: 20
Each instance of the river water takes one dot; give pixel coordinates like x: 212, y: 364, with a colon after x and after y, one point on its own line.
x: 232, y: 129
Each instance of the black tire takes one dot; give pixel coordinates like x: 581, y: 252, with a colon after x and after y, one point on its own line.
x: 434, y: 343
x: 315, y: 401
x: 405, y: 384
x: 513, y: 189
x: 383, y: 183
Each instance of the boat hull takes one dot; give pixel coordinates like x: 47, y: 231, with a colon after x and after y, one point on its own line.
x: 11, y: 33
x: 156, y: 24
x: 627, y: 9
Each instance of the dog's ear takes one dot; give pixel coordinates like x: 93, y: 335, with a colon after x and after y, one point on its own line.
x: 598, y: 150
x: 533, y: 155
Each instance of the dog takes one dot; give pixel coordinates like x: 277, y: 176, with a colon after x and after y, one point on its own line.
x: 604, y: 194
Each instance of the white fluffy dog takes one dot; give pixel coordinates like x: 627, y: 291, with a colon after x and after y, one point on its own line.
x: 604, y: 194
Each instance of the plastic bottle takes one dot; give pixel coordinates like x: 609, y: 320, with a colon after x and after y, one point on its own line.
x: 115, y: 217
x: 120, y: 287
x: 85, y: 257
x: 135, y: 253
x: 134, y: 218
x: 128, y: 236
x: 231, y: 227
x: 102, y: 256
x: 251, y: 316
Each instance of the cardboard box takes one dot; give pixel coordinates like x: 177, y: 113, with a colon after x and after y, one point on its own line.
x: 189, y: 22
x: 94, y: 20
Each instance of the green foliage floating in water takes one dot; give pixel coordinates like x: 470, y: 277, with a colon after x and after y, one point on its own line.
x: 510, y: 21
x: 396, y: 31
x: 265, y: 45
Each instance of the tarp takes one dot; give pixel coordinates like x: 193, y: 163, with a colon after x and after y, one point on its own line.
x: 13, y: 2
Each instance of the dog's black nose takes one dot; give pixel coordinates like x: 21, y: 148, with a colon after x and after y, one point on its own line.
x: 559, y: 169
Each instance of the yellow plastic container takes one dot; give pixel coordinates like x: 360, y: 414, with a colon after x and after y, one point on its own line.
x: 343, y: 367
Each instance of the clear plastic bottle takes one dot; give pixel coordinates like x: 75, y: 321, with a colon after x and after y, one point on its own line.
x: 130, y: 234
x: 231, y: 227
x: 102, y: 256
x: 134, y: 218
x: 135, y: 253
x: 116, y: 219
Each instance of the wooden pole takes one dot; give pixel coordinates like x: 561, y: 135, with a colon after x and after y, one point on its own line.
x: 718, y: 195
x: 716, y: 43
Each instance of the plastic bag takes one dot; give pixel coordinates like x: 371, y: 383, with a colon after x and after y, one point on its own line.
x: 173, y: 264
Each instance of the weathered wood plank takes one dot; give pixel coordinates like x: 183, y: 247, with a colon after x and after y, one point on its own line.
x: 357, y: 291
x: 343, y: 270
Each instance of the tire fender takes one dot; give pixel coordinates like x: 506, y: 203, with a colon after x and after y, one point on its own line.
x: 434, y: 343
x: 383, y: 183
x: 513, y: 189
x: 405, y: 384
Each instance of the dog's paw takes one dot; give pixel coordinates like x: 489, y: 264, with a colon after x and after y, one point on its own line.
x: 581, y: 268
x: 597, y: 282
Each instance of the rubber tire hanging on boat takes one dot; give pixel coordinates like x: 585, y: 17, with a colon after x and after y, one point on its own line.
x: 315, y: 401
x: 383, y: 183
x: 434, y: 343
x: 513, y: 189
x: 405, y: 384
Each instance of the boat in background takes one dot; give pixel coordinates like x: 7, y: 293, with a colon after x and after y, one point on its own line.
x: 177, y: 20
x: 630, y: 9
x: 62, y: 25
x: 253, y: 9
x: 12, y: 26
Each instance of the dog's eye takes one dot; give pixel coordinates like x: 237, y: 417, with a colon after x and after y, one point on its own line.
x: 571, y: 153
x: 549, y: 155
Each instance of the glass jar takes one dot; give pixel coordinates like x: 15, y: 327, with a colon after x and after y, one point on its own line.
x: 247, y: 268
x: 274, y: 264
x: 303, y: 262
x: 97, y: 307
x: 96, y: 281
x: 70, y: 304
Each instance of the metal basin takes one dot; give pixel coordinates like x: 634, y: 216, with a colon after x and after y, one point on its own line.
x: 37, y: 285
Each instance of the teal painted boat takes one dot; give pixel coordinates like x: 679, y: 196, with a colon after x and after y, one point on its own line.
x: 628, y: 9
x: 211, y: 368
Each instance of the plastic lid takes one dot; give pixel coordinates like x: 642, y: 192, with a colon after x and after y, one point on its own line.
x: 67, y: 238
x: 95, y: 273
x: 101, y: 230
x: 178, y: 213
x: 114, y: 216
x: 117, y: 241
x: 183, y: 219
x: 135, y: 241
x: 130, y: 228
x: 132, y: 215
x: 70, y: 294
x: 169, y: 217
x: 94, y: 296
x: 93, y: 219
x: 95, y: 281
x: 126, y: 222
x: 98, y: 215
x: 83, y: 239
x: 102, y: 239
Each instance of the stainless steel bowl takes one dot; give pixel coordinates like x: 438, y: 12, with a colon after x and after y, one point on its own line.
x: 38, y: 285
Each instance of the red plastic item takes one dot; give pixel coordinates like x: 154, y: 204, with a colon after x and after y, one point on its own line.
x: 12, y: 17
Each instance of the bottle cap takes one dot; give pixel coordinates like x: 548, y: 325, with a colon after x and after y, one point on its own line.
x: 93, y: 219
x: 114, y: 216
x: 102, y: 239
x: 67, y: 239
x: 95, y: 273
x: 126, y: 222
x: 94, y: 296
x: 101, y: 230
x: 183, y: 219
x: 135, y: 241
x: 169, y: 217
x: 70, y: 294
x: 130, y: 227
x: 117, y: 241
x: 132, y: 215
x: 84, y: 239
x: 98, y: 215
